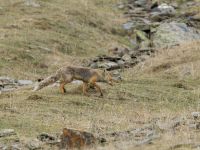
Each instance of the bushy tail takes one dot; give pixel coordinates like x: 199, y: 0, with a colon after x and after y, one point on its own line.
x: 49, y: 80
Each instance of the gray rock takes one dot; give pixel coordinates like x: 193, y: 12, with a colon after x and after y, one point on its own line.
x: 107, y: 65
x: 195, y: 115
x: 3, y: 147
x: 195, y: 126
x: 32, y: 3
x: 16, y: 147
x: 172, y: 34
x: 166, y: 9
x: 142, y: 24
x: 24, y: 82
x: 93, y: 65
x: 127, y: 58
x: 120, y: 63
x: 34, y: 144
x: 7, y: 132
x: 7, y: 80
x: 128, y: 26
x: 141, y: 3
x: 162, y: 12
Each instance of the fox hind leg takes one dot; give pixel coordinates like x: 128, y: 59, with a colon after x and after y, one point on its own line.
x: 85, y: 88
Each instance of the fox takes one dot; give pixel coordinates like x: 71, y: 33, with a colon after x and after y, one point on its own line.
x: 69, y: 73
x: 71, y: 139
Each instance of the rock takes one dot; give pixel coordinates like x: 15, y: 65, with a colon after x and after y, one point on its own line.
x: 171, y: 34
x: 32, y: 3
x: 7, y: 132
x: 162, y: 12
x: 141, y: 36
x: 196, y: 17
x: 24, y: 82
x: 169, y: 124
x: 7, y: 81
x: 195, y: 125
x: 121, y: 5
x: 140, y: 3
x: 120, y: 63
x: 166, y: 9
x: 128, y: 26
x: 34, y: 144
x: 108, y: 65
x: 195, y: 115
x: 144, y: 45
x: 78, y: 139
x: 3, y: 147
x: 120, y: 51
x: 141, y: 24
x: 127, y: 58
x: 47, y: 138
x: 93, y: 65
x: 16, y: 147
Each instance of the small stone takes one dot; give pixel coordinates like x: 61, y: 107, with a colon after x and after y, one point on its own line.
x: 34, y: 144
x: 32, y: 3
x: 195, y: 115
x: 127, y: 58
x: 7, y: 132
x: 121, y: 63
x: 16, y: 147
x: 24, y: 82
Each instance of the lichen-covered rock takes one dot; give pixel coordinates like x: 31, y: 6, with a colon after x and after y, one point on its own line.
x: 171, y: 34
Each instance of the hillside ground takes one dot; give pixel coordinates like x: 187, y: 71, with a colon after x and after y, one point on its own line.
x: 35, y: 42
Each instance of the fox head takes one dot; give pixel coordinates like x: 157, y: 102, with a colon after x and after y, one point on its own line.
x: 107, y: 77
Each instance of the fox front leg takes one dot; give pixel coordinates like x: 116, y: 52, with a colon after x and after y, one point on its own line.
x: 62, y: 88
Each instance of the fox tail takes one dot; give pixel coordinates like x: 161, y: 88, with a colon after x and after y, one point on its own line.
x: 49, y: 80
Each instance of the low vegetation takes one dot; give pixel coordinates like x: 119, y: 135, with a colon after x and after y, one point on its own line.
x: 35, y: 42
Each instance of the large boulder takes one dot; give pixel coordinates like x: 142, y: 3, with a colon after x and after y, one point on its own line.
x: 170, y: 34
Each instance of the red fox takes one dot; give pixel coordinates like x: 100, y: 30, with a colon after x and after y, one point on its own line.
x: 69, y: 73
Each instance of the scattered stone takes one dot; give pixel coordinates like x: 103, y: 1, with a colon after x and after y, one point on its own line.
x: 141, y: 2
x: 24, y: 82
x: 7, y: 132
x: 127, y: 58
x: 47, y: 138
x: 16, y: 147
x: 34, y: 144
x: 8, y: 84
x: 169, y: 124
x: 195, y: 115
x: 119, y: 51
x: 3, y: 147
x: 71, y: 138
x: 194, y: 125
x: 166, y: 9
x: 32, y: 3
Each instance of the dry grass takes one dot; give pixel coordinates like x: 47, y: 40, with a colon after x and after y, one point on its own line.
x: 179, y: 62
x: 46, y: 36
x: 36, y: 41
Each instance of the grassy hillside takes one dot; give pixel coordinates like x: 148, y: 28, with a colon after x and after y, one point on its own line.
x: 35, y: 40
x: 163, y: 87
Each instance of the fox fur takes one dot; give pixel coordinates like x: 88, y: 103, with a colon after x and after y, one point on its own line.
x: 69, y: 73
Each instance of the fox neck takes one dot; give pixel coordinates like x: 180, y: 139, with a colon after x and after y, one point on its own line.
x: 101, y: 78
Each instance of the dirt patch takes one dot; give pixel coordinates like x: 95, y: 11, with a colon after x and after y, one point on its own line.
x: 36, y: 98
